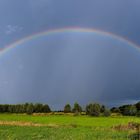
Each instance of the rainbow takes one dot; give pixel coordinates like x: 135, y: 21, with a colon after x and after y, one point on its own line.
x: 68, y: 29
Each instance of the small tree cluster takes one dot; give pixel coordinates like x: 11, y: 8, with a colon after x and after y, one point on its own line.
x: 77, y: 109
x: 95, y: 109
x: 91, y: 109
x: 128, y: 110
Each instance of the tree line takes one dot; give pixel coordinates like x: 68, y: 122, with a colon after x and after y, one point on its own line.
x: 92, y: 109
x: 28, y: 108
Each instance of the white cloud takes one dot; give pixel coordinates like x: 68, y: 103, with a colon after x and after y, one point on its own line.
x: 10, y: 29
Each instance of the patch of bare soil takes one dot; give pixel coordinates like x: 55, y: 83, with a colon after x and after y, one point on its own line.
x: 21, y: 123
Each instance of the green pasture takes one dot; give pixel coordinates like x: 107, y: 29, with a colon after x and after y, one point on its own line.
x: 64, y: 127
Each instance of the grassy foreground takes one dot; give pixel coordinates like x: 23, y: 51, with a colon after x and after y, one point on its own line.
x: 63, y: 127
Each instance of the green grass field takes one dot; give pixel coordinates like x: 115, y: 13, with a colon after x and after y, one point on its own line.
x: 63, y: 127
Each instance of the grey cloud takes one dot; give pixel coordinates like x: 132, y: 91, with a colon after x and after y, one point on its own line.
x: 65, y: 68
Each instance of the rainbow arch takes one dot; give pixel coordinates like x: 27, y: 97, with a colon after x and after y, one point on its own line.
x: 68, y: 29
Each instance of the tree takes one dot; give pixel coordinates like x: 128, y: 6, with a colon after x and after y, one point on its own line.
x: 77, y: 108
x: 138, y: 114
x: 46, y: 108
x: 93, y: 109
x: 67, y: 108
x: 38, y: 108
x: 30, y: 109
x: 25, y: 107
x: 102, y: 109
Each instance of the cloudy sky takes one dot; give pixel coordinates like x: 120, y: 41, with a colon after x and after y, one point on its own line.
x: 70, y: 66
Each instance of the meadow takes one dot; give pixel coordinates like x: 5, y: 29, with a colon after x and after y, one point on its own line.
x: 64, y: 127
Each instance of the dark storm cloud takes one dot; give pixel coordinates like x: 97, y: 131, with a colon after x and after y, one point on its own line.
x: 120, y: 17
x: 69, y: 67
x: 83, y: 74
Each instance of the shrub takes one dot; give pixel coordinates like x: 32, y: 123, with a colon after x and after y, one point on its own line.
x: 115, y: 110
x: 106, y: 113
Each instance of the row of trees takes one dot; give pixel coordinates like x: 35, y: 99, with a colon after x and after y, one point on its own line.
x: 93, y: 109
x: 96, y: 109
x: 28, y: 108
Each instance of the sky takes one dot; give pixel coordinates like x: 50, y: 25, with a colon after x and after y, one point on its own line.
x: 66, y: 67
